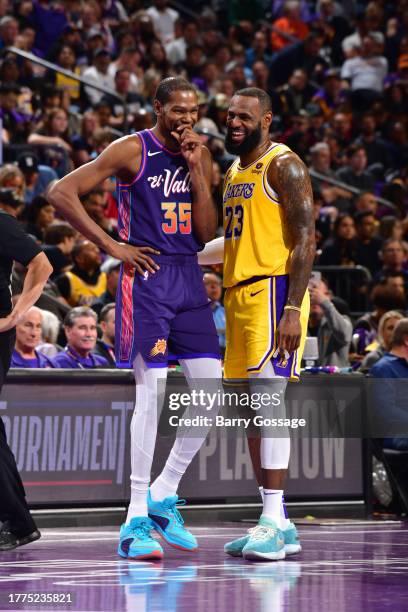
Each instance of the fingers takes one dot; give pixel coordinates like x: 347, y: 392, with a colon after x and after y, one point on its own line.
x: 176, y: 136
x: 149, y: 249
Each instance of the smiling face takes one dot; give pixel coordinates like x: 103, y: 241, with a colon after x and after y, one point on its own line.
x: 82, y: 335
x: 180, y: 111
x: 247, y: 125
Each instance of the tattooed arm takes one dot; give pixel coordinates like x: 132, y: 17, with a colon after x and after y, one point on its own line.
x: 290, y: 179
x: 199, y: 161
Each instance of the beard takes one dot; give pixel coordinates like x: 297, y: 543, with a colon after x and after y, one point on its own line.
x: 250, y: 142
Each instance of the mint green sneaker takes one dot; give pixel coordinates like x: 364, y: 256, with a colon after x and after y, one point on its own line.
x: 266, y: 541
x: 292, y: 543
x: 291, y: 537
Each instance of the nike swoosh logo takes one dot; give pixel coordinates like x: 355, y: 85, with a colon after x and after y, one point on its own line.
x: 151, y: 153
x: 256, y: 293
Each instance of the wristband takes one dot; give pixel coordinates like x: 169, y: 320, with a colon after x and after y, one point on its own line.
x: 289, y: 307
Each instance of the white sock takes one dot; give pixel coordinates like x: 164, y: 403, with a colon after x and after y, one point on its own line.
x: 272, y: 504
x: 284, y: 519
x: 261, y: 492
x: 143, y: 431
x: 188, y: 440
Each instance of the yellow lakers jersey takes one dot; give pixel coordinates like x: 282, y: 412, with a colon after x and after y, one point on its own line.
x: 81, y: 293
x: 255, y: 242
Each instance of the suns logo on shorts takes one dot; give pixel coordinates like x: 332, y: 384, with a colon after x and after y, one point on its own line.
x: 159, y: 347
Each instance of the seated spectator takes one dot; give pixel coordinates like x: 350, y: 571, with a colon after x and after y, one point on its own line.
x: 295, y: 96
x: 37, y: 176
x: 330, y: 96
x: 365, y: 73
x: 83, y: 143
x: 98, y: 73
x: 321, y: 163
x: 393, y: 398
x: 365, y: 202
x: 290, y: 23
x: 355, y: 173
x: 368, y: 245
x: 329, y: 321
x: 26, y: 353
x: 128, y: 59
x: 111, y: 267
x: 85, y: 282
x: 213, y: 286
x: 15, y: 122
x: 51, y: 327
x: 134, y: 101
x: 95, y: 205
x: 11, y: 177
x: 377, y: 150
x: 382, y: 345
x: 39, y: 216
x: 59, y: 239
x: 340, y: 250
x: 54, y: 134
x: 384, y: 299
x: 391, y: 227
x: 81, y: 333
x: 105, y: 346
x: 394, y: 259
x: 164, y: 19
x: 258, y: 51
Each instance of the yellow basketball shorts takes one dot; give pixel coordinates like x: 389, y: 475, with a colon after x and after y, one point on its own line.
x: 253, y: 312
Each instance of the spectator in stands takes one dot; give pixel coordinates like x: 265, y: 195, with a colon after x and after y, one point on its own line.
x: 365, y: 202
x: 105, y: 346
x: 11, y: 177
x: 50, y: 331
x: 393, y: 398
x: 391, y: 227
x: 164, y: 20
x: 85, y: 282
x: 39, y: 216
x: 83, y: 143
x: 355, y: 173
x: 340, y: 250
x: 384, y: 299
x: 378, y: 154
x: 67, y: 59
x: 8, y: 31
x: 54, y: 132
x: 98, y: 73
x: 128, y: 59
x: 330, y: 323
x: 291, y: 24
x: 95, y: 204
x: 258, y: 51
x: 304, y: 54
x: 342, y: 125
x: 134, y: 101
x: 37, y: 176
x: 365, y: 73
x: 213, y: 286
x: 394, y: 259
x: 320, y: 162
x: 330, y: 96
x: 81, y: 333
x: 59, y: 239
x: 368, y: 244
x: 111, y: 267
x: 28, y: 338
x: 382, y: 345
x: 296, y: 94
x: 176, y: 49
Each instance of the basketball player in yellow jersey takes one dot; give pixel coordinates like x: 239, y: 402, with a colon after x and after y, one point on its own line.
x: 268, y: 251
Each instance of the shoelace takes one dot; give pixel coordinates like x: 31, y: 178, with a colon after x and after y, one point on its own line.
x: 172, y: 508
x: 260, y: 532
x: 142, y: 530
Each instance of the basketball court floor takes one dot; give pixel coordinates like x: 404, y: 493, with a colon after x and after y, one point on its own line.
x: 346, y: 567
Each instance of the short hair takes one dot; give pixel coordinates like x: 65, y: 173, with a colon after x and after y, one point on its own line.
x: 264, y: 99
x: 77, y: 313
x: 55, y: 233
x: 353, y: 148
x: 360, y: 216
x: 167, y: 86
x: 96, y: 191
x: 320, y: 146
x: 50, y: 326
x: 400, y: 332
x: 391, y: 241
x: 103, y: 315
x: 386, y: 298
x: 78, y: 246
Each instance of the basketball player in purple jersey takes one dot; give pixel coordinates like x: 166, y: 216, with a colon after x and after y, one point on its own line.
x: 166, y: 214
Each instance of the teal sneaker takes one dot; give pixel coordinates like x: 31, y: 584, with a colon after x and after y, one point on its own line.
x: 266, y: 541
x: 169, y: 523
x: 291, y: 537
x: 135, y: 541
x: 292, y: 543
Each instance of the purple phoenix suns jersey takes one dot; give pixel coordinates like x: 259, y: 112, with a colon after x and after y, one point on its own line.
x: 155, y: 208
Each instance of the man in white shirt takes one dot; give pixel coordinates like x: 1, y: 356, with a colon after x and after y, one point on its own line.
x: 163, y: 19
x: 99, y: 74
x: 365, y: 74
x: 176, y: 50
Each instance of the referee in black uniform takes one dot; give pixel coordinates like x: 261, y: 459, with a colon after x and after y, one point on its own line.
x: 18, y: 526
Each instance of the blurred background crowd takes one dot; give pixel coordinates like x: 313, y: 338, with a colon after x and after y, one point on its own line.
x: 337, y: 74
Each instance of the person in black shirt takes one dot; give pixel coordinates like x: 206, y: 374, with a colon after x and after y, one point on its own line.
x: 105, y: 346
x: 18, y: 526
x: 368, y: 245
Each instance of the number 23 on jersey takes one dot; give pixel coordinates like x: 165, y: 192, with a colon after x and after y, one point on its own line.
x: 234, y: 217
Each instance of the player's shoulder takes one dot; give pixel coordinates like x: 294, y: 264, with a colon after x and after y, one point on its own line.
x: 127, y: 144
x: 284, y: 159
